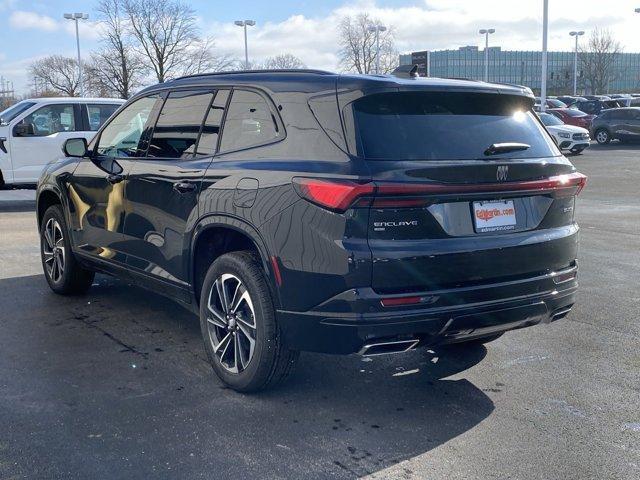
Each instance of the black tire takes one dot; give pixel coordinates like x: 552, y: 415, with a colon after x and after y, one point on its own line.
x: 63, y: 272
x: 602, y: 136
x: 250, y: 368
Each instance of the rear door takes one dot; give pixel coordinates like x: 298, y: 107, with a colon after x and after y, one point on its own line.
x: 461, y: 189
x: 627, y: 124
x: 47, y: 129
x: 163, y: 187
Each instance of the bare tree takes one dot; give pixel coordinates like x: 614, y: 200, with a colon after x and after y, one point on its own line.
x: 115, y: 69
x: 200, y: 57
x: 58, y: 73
x: 283, y: 61
x: 597, y: 60
x: 167, y: 33
x: 358, y: 46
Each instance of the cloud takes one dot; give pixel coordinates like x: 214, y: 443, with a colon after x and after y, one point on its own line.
x: 31, y: 20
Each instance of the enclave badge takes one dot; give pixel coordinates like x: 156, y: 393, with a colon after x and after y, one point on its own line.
x: 502, y: 173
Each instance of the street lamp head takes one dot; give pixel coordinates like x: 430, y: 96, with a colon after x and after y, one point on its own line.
x: 637, y: 10
x: 581, y: 32
x: 492, y: 30
x: 76, y: 16
x: 382, y: 28
x: 239, y: 23
x: 573, y: 33
x: 483, y: 31
x: 250, y: 23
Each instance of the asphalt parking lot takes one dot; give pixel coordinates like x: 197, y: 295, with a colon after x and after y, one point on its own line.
x: 115, y: 384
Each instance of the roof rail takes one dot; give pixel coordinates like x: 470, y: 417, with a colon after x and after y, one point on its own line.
x: 243, y: 72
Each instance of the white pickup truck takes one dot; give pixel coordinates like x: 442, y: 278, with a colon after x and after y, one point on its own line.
x: 33, y: 131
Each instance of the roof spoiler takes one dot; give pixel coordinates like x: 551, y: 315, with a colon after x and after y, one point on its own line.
x: 406, y: 71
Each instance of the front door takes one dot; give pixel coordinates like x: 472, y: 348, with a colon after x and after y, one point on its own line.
x: 162, y: 189
x: 96, y: 189
x: 38, y: 138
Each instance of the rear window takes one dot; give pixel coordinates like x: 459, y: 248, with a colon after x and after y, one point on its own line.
x: 443, y: 126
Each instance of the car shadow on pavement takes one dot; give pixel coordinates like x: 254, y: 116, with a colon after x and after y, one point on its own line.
x: 617, y: 146
x: 116, y: 381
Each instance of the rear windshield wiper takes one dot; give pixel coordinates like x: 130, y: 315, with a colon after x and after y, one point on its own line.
x: 496, y: 148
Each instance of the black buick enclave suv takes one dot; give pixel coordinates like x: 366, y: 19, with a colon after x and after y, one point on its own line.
x: 305, y: 210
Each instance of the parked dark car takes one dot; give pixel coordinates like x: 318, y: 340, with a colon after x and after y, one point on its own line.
x: 597, y: 97
x: 551, y: 102
x: 594, y: 107
x: 617, y: 124
x: 572, y: 116
x: 570, y: 99
x: 306, y: 210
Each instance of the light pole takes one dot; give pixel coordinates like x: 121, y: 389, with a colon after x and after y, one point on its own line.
x: 545, y: 28
x: 486, y: 32
x: 377, y: 29
x: 245, y: 24
x: 575, y: 61
x: 75, y: 17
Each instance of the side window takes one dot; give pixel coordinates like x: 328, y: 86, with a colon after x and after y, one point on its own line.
x: 588, y: 107
x: 211, y: 128
x: 178, y: 125
x: 249, y: 122
x: 51, y: 119
x: 121, y: 136
x: 99, y: 114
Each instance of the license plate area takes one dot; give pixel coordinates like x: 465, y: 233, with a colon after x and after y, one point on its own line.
x: 494, y: 216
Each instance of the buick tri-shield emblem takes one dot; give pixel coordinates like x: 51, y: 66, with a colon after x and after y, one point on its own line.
x: 502, y: 173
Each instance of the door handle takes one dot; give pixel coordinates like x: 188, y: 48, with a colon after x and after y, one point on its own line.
x: 114, y: 178
x: 184, y: 187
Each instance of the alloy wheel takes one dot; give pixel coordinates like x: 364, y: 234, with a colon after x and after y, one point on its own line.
x: 231, y: 323
x: 53, y: 250
x: 602, y: 136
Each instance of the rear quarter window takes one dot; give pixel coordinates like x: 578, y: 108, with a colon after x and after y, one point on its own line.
x: 443, y: 126
x: 249, y: 122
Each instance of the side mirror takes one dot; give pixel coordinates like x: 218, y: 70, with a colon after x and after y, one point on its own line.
x: 23, y: 130
x: 75, y: 147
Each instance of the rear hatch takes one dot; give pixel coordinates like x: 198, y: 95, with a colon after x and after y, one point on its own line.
x: 470, y: 189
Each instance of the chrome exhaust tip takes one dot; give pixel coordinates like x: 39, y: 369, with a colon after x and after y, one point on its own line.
x: 392, y: 346
x: 561, y: 313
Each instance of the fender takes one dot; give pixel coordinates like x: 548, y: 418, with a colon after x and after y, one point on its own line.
x: 241, y: 226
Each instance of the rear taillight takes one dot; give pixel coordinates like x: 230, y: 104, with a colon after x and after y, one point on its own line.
x: 399, y: 301
x: 340, y: 195
x: 336, y: 195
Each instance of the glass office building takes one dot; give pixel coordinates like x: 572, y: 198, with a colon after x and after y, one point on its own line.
x: 522, y: 68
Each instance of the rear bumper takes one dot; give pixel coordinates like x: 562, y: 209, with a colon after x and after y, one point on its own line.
x: 345, y: 323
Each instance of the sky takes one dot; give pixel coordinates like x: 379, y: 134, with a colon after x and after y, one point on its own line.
x: 30, y: 30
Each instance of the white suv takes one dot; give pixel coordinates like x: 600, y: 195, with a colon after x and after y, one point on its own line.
x: 568, y: 137
x: 33, y: 131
